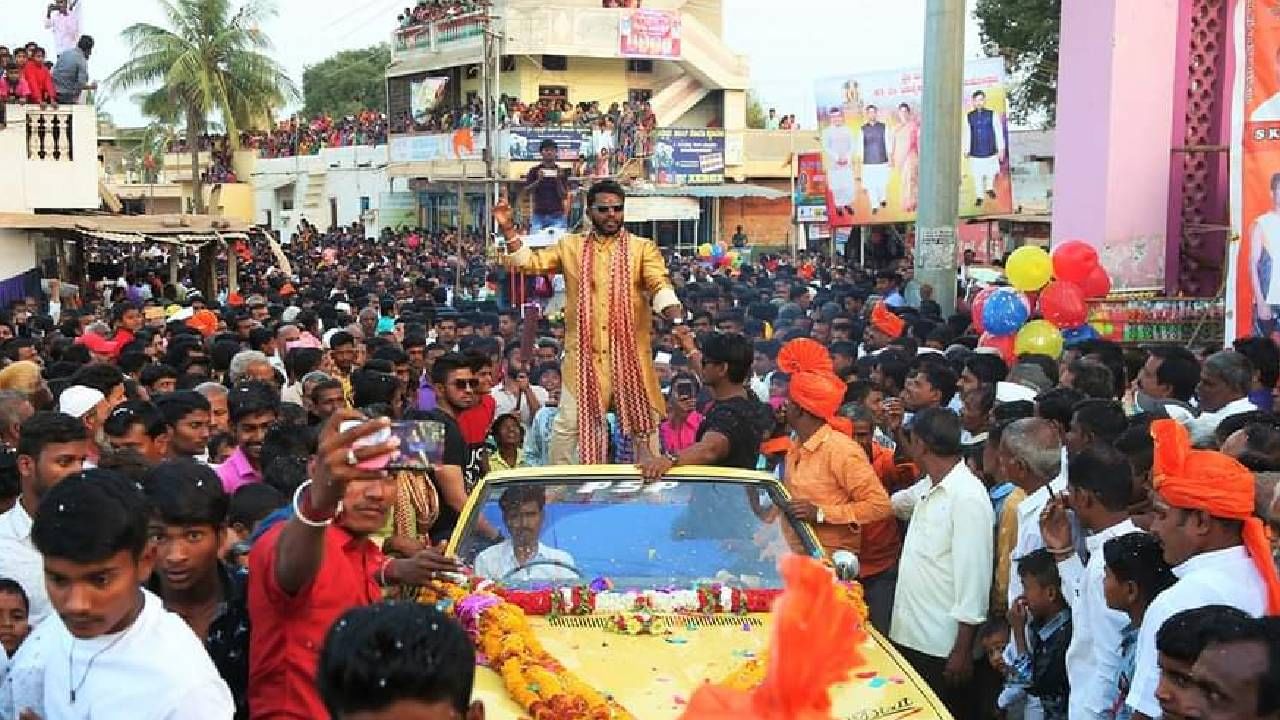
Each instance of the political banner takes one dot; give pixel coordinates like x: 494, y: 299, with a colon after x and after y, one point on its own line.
x: 457, y: 145
x: 424, y: 95
x: 870, y: 125
x: 397, y: 210
x: 571, y: 142
x: 649, y: 34
x: 688, y: 156
x: 1253, y: 274
x: 811, y: 188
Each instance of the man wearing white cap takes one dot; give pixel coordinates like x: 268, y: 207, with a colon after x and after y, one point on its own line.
x: 91, y: 407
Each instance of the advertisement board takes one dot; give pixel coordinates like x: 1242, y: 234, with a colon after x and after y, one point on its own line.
x: 1253, y: 275
x: 397, y: 209
x: 811, y: 188
x: 688, y: 156
x: 424, y: 95
x: 870, y: 125
x: 457, y: 145
x: 649, y: 34
x: 571, y: 142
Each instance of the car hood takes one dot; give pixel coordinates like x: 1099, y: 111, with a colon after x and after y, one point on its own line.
x: 654, y: 676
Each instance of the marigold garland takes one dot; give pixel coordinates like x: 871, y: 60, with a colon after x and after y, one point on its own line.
x: 497, y: 621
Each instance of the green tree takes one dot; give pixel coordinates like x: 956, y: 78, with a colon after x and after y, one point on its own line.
x: 347, y: 82
x: 211, y: 59
x: 755, y: 111
x: 1025, y: 33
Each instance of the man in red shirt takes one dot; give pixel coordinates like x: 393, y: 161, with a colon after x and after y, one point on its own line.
x: 308, y: 570
x: 39, y: 79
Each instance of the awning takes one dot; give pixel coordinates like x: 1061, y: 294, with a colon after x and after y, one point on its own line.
x: 727, y: 190
x: 644, y: 208
x: 273, y: 183
x: 126, y: 224
x: 190, y: 240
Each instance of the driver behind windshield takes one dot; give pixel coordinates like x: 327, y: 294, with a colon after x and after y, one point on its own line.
x: 522, y: 557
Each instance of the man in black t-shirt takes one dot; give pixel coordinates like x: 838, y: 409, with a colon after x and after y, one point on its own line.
x: 459, y: 469
x: 736, y: 423
x: 549, y: 188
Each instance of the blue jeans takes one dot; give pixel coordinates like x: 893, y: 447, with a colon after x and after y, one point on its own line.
x: 543, y: 221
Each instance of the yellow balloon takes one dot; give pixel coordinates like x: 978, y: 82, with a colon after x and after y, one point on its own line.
x: 1038, y: 337
x: 704, y: 250
x: 1029, y: 268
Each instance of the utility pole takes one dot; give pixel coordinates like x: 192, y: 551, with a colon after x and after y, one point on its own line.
x: 490, y: 72
x: 935, y: 257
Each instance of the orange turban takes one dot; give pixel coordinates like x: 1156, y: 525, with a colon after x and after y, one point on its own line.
x: 1212, y: 482
x: 886, y: 322
x: 815, y: 645
x: 814, y: 385
x: 204, y: 322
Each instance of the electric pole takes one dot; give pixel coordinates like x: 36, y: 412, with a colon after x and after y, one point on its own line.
x: 490, y: 73
x: 935, y: 257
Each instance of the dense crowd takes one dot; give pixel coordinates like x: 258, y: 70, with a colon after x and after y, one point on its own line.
x: 28, y: 77
x: 429, y: 11
x: 302, y: 136
x: 1063, y: 520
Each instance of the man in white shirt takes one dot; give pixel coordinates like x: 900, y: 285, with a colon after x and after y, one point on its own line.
x: 1099, y: 484
x: 944, y: 577
x: 1203, y: 504
x: 112, y: 652
x: 517, y: 396
x: 51, y: 446
x: 522, y: 557
x: 1031, y: 458
x: 1223, y: 391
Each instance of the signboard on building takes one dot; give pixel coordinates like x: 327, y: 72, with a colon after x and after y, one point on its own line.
x: 649, y: 34
x: 397, y: 209
x: 811, y: 188
x: 870, y: 125
x: 688, y: 156
x: 571, y: 142
x: 424, y: 95
x: 457, y: 145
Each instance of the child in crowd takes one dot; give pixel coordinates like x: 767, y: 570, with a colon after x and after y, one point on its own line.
x: 13, y: 88
x: 398, y: 660
x: 14, y: 608
x: 994, y: 636
x: 1041, y: 627
x: 39, y: 79
x: 1135, y: 574
x: 250, y: 505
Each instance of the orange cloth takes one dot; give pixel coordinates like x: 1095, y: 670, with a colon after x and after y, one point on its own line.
x: 1212, y: 482
x: 831, y: 471
x: 235, y: 299
x: 885, y: 321
x: 815, y: 645
x: 814, y: 385
x: 773, y: 446
x: 882, y: 539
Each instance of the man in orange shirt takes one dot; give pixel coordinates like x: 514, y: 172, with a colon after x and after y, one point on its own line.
x: 881, y: 540
x: 829, y: 476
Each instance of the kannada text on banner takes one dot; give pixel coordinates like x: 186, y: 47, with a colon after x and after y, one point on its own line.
x: 870, y: 125
x: 645, y: 33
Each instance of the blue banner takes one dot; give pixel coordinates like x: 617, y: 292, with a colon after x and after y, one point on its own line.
x: 688, y: 156
x: 571, y: 142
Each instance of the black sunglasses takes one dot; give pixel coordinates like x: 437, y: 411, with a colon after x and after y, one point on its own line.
x: 607, y: 208
x: 471, y: 384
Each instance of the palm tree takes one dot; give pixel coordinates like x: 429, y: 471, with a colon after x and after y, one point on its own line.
x: 213, y: 60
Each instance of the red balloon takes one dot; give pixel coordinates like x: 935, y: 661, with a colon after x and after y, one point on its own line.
x: 979, y: 301
x: 1001, y: 343
x: 1098, y: 284
x: 1062, y: 303
x: 1074, y: 260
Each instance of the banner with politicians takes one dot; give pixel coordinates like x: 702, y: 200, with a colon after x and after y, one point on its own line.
x: 646, y: 33
x: 811, y: 188
x: 870, y: 125
x: 688, y: 156
x: 1253, y: 274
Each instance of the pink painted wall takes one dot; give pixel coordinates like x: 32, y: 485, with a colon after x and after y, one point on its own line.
x: 1112, y: 150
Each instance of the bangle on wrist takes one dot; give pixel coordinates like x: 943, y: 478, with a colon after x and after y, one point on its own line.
x: 382, y: 572
x: 305, y: 512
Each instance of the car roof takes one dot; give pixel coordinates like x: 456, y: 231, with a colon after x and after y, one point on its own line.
x: 586, y: 473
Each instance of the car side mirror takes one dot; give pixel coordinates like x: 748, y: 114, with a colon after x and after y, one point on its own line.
x: 846, y: 564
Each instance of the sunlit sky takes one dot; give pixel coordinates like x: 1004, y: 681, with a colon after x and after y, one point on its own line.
x: 790, y: 43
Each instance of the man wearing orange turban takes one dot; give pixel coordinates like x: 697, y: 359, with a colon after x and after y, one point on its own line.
x: 883, y: 328
x: 837, y: 491
x: 1204, y: 516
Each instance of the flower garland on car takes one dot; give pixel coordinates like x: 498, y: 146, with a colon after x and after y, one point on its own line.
x: 496, y: 619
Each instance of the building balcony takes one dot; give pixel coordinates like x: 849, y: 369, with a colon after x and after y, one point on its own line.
x: 50, y: 158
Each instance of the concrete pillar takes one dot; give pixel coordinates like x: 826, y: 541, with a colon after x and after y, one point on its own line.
x: 1116, y: 89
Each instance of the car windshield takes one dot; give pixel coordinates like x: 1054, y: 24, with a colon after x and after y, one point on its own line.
x: 672, y: 533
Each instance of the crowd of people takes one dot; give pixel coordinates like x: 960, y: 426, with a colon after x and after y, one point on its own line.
x: 428, y: 11
x: 1074, y: 537
x: 28, y: 77
x: 301, y: 136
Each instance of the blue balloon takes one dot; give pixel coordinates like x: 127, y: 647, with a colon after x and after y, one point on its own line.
x: 1076, y: 335
x: 1004, y: 312
x: 717, y: 250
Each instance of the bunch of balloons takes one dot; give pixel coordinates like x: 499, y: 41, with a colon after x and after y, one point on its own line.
x: 1063, y: 282
x: 718, y: 254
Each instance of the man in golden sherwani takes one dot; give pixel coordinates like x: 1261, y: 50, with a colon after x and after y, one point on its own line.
x: 612, y: 280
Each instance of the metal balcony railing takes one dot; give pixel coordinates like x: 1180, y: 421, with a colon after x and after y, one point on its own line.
x: 441, y: 32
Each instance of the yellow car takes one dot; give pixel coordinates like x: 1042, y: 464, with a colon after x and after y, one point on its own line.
x: 634, y: 594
